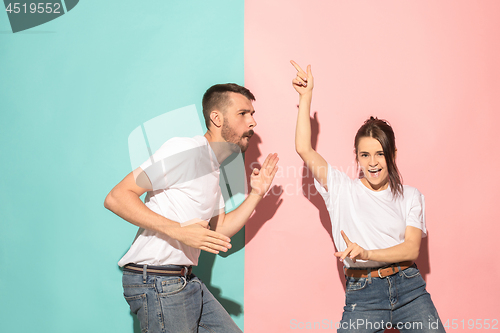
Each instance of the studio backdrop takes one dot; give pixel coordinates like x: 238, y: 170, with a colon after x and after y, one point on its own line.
x: 80, y: 79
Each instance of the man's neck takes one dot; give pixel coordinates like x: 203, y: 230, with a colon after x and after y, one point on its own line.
x: 221, y: 147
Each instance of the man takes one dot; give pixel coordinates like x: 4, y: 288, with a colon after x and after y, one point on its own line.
x: 183, y: 200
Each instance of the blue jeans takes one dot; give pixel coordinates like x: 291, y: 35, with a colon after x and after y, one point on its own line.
x: 399, y: 301
x: 175, y: 304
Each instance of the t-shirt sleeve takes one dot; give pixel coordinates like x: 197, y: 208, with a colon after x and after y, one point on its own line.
x: 220, y: 206
x: 335, y: 180
x: 173, y: 163
x: 416, y: 214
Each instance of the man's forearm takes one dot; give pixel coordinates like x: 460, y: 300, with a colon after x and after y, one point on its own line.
x: 129, y: 207
x: 236, y: 219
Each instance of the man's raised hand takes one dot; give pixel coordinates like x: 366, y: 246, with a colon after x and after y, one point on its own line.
x: 261, y: 180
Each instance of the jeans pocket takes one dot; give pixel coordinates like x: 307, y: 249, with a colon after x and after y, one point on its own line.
x: 139, y: 306
x: 173, y: 285
x: 354, y: 284
x: 411, y: 272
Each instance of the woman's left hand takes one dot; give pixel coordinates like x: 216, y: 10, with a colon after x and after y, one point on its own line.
x: 354, y: 251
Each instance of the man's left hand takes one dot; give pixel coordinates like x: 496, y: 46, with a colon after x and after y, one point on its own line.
x: 261, y: 180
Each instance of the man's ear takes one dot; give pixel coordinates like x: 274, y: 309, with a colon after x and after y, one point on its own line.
x: 216, y: 118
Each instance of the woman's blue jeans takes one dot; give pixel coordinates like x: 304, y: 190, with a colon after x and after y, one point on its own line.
x: 399, y: 301
x: 175, y: 304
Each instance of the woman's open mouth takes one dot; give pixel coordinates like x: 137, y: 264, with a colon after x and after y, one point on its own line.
x: 374, y: 173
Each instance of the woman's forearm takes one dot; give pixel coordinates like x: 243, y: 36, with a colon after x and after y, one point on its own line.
x: 303, y: 128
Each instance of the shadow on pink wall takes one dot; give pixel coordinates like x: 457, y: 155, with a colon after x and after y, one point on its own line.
x: 270, y: 204
x: 311, y: 194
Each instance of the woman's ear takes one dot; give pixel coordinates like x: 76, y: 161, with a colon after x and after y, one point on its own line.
x: 395, y: 153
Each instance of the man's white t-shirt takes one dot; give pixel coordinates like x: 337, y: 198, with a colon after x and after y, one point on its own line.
x: 373, y: 220
x: 184, y: 174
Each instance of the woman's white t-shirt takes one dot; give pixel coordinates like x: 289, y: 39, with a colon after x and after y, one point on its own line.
x: 372, y: 219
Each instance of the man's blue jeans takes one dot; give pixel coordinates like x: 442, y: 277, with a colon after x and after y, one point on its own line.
x: 175, y: 304
x: 399, y: 301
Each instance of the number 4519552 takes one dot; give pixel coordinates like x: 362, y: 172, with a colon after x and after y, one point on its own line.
x: 487, y: 324
x: 48, y: 7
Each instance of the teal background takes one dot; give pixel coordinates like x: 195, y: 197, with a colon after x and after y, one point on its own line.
x: 71, y: 92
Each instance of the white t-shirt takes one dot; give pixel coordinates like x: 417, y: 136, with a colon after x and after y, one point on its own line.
x: 184, y: 173
x: 373, y: 220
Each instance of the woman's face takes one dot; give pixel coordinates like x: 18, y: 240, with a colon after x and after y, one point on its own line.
x: 372, y: 162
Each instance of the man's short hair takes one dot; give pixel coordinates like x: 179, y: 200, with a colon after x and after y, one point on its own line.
x: 217, y: 98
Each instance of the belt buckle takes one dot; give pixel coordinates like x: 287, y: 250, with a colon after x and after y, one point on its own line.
x: 186, y: 271
x: 394, y: 271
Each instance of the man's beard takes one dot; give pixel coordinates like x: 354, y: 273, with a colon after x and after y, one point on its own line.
x: 230, y: 136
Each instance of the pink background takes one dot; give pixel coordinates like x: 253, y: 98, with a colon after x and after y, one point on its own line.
x: 429, y: 67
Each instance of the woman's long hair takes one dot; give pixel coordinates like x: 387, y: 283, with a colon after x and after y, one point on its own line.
x: 380, y: 130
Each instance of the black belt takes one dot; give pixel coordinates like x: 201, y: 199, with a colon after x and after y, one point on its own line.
x: 159, y: 270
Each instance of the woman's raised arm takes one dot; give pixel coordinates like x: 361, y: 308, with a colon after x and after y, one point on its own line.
x: 303, y: 84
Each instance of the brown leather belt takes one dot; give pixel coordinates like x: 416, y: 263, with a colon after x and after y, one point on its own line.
x: 159, y: 270
x: 381, y: 272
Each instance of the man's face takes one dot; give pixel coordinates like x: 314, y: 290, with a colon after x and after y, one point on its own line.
x: 238, y: 122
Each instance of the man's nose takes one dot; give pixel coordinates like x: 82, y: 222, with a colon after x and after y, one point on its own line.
x: 253, y: 123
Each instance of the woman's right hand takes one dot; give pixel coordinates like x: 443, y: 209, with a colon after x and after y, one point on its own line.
x: 303, y: 82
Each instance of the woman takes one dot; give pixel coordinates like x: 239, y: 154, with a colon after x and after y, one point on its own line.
x: 385, y: 221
